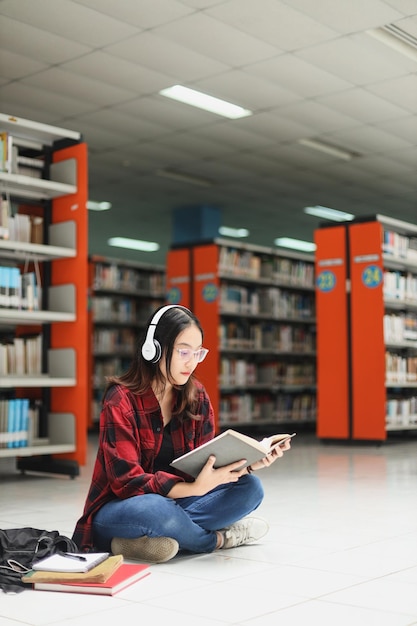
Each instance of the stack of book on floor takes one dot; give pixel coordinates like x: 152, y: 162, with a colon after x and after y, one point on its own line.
x: 96, y: 573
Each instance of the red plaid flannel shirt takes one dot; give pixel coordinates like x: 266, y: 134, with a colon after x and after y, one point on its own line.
x: 131, y: 431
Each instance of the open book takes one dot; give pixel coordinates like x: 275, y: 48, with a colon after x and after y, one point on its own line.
x: 228, y: 447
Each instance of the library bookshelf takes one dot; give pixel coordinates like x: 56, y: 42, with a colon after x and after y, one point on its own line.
x: 366, y: 299
x: 256, y: 307
x: 123, y: 295
x: 43, y: 320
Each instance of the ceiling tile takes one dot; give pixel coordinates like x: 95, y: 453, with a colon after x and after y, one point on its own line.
x: 166, y: 57
x: 409, y: 24
x: 408, y: 156
x: 200, y: 4
x: 360, y: 104
x: 218, y: 171
x: 367, y: 140
x: 404, y: 127
x: 148, y: 156
x: 196, y: 146
x: 133, y: 128
x: 27, y: 110
x: 347, y: 17
x: 315, y: 115
x: 173, y: 115
x: 231, y: 134
x: 109, y: 69
x: 298, y: 76
x: 351, y: 173
x: 247, y: 90
x: 297, y: 156
x: 381, y: 165
x: 38, y: 44
x: 67, y: 83
x: 99, y: 139
x: 144, y: 14
x: 407, y: 7
x: 214, y: 39
x: 14, y: 66
x: 401, y: 91
x: 77, y: 25
x: 356, y: 60
x: 261, y: 165
x: 273, y: 22
x: 55, y: 105
x: 274, y: 127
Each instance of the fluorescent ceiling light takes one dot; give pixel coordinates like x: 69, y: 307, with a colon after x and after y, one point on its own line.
x: 328, y: 214
x: 92, y: 205
x: 133, y: 244
x: 295, y: 244
x: 203, y: 101
x: 185, y: 178
x: 340, y: 153
x: 226, y: 231
x: 396, y: 38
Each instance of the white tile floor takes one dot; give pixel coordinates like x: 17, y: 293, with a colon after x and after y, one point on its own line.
x: 342, y: 549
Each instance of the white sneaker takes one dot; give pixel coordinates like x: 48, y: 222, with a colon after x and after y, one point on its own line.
x: 149, y: 549
x: 245, y: 531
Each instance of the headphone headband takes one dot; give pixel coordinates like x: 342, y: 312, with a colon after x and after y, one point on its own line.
x: 151, y: 349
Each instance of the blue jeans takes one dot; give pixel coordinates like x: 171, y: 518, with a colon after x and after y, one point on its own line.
x: 191, y: 521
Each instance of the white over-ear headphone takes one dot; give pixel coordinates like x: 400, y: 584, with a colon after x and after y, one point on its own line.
x: 151, y: 349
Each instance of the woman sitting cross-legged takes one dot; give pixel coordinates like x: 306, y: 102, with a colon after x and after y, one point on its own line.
x: 137, y: 504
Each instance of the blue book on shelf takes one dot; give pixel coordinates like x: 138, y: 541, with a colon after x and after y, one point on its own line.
x: 11, y: 423
x: 24, y: 421
x: 17, y: 423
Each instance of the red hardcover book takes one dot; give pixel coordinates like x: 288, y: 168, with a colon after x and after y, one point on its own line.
x: 124, y: 576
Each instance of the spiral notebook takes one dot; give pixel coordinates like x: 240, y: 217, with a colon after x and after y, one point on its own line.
x: 70, y: 562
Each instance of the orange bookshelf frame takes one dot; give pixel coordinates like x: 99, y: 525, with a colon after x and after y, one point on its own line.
x: 178, y: 277
x: 333, y: 402
x: 206, y: 307
x: 367, y: 331
x: 74, y: 270
x: 193, y: 282
x: 352, y: 393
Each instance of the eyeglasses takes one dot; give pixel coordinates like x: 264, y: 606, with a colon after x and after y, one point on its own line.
x: 186, y: 354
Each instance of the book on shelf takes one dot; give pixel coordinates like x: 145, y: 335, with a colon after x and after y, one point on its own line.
x: 31, y: 291
x: 124, y: 576
x: 70, y: 562
x: 98, y: 574
x: 11, y: 423
x: 6, y: 152
x: 5, y: 213
x: 14, y: 422
x: 229, y: 447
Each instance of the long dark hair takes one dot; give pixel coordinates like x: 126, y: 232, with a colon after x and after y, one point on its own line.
x: 141, y: 373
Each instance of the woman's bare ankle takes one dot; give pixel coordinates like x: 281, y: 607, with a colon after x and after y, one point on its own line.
x: 220, y: 540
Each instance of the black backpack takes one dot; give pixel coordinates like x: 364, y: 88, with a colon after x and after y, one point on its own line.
x: 20, y: 548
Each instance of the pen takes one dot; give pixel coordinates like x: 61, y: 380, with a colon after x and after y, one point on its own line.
x: 76, y: 557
